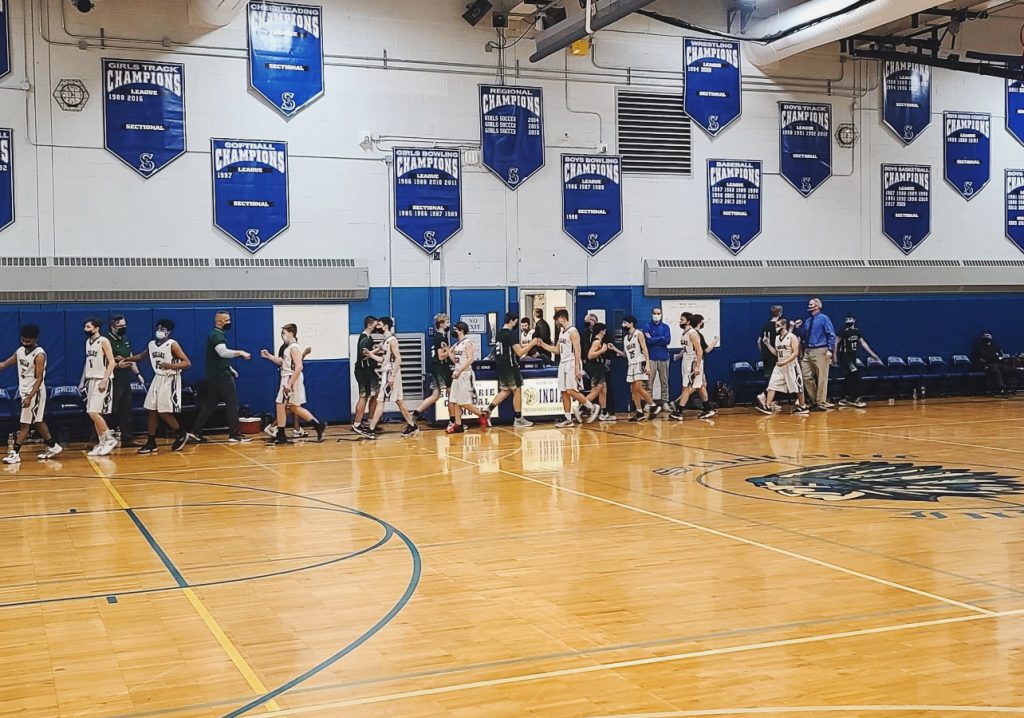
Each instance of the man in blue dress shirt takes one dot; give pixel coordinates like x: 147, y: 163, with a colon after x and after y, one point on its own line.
x: 818, y: 339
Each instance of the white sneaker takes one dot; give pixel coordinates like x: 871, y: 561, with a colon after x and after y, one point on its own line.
x: 608, y: 417
x: 564, y: 424
x: 761, y: 399
x: 522, y: 423
x: 592, y: 416
x: 299, y: 433
x: 270, y: 430
x: 95, y: 451
x: 107, y: 446
x: 13, y: 457
x: 577, y: 414
x: 51, y: 452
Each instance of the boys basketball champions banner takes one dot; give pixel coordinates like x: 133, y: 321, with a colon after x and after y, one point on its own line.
x: 906, y: 205
x: 712, y: 94
x: 428, y: 195
x: 966, y: 146
x: 1014, y: 207
x: 1015, y: 109
x: 144, y: 113
x: 6, y: 178
x: 512, y: 132
x: 906, y: 98
x: 5, y: 40
x: 592, y: 199
x: 805, y: 145
x: 286, y: 54
x: 250, y: 190
x: 734, y: 202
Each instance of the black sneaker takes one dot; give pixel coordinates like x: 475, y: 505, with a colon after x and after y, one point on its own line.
x: 411, y: 430
x: 707, y: 414
x: 281, y: 440
x: 803, y: 410
x: 179, y: 443
x: 320, y: 427
x: 239, y: 439
x: 818, y: 407
x: 676, y: 416
x: 198, y: 438
x: 149, y: 447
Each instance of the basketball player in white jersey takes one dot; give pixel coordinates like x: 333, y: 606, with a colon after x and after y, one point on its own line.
x: 390, y: 359
x: 638, y: 370
x: 163, y: 398
x: 95, y: 383
x: 786, y: 376
x: 570, y: 371
x: 291, y: 395
x: 31, y: 361
x: 692, y: 355
x: 462, y: 396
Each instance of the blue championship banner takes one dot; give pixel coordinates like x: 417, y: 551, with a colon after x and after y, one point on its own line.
x: 805, y: 144
x: 906, y: 205
x: 966, y: 149
x: 734, y: 202
x: 1015, y: 109
x: 1014, y: 207
x: 5, y: 40
x: 6, y: 178
x: 144, y: 113
x: 592, y: 199
x: 250, y: 190
x: 713, y: 93
x: 906, y: 98
x: 428, y: 195
x: 512, y: 132
x: 286, y: 54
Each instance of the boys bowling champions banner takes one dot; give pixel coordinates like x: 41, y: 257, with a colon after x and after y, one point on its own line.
x: 1014, y: 207
x: 1015, y: 109
x: 906, y: 205
x: 966, y: 148
x: 286, y: 54
x: 734, y: 202
x: 6, y: 178
x: 592, y: 199
x: 906, y: 98
x: 144, y: 113
x: 805, y: 144
x: 5, y: 40
x: 713, y: 94
x: 428, y: 195
x: 512, y: 132
x: 250, y: 190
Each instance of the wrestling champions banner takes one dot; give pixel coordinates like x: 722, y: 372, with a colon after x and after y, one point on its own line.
x: 713, y: 93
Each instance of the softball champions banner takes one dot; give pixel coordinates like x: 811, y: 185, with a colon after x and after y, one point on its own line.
x: 805, y: 144
x: 428, y: 195
x: 592, y: 199
x: 713, y: 95
x: 250, y: 190
x: 966, y: 147
x: 512, y: 132
x: 1015, y: 109
x: 734, y: 202
x: 906, y: 98
x: 1014, y: 206
x: 144, y: 113
x: 906, y: 205
x: 6, y: 178
x: 5, y: 40
x: 286, y: 54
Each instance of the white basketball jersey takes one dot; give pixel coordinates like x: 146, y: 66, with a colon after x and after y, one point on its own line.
x: 27, y: 368
x: 95, y: 360
x: 565, y: 351
x: 159, y: 353
x: 634, y: 355
x: 288, y: 360
x: 784, y: 347
x: 390, y: 352
x: 459, y: 352
x: 689, y: 353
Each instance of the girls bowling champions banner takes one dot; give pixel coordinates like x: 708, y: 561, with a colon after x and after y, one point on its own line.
x: 713, y: 94
x: 906, y: 98
x: 592, y: 199
x: 1015, y: 109
x: 1015, y: 207
x: 250, y: 190
x: 906, y: 205
x: 286, y: 54
x: 805, y: 144
x: 6, y: 178
x: 512, y: 132
x: 5, y: 39
x: 144, y: 113
x: 966, y: 148
x: 734, y: 202
x: 428, y: 195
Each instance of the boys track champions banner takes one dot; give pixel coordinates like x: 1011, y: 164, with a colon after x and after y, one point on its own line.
x: 286, y: 54
x: 805, y: 144
x: 428, y: 195
x: 906, y: 98
x: 906, y: 205
x: 734, y: 202
x: 592, y: 199
x: 1015, y: 109
x: 250, y: 190
x: 144, y: 113
x: 1015, y: 207
x: 713, y: 93
x: 966, y: 149
x: 5, y: 40
x: 512, y: 132
x: 6, y: 178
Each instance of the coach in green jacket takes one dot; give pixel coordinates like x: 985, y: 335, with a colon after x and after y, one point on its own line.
x: 220, y: 380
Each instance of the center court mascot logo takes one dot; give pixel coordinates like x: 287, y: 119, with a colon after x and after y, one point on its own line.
x: 287, y: 101
x: 146, y: 163
x: 887, y: 481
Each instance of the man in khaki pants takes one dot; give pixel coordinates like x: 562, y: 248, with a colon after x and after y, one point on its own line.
x: 818, y: 337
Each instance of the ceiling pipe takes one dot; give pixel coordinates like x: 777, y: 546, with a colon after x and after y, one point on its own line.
x: 605, y: 13
x: 214, y: 13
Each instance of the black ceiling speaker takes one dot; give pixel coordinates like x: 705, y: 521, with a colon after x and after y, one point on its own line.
x: 477, y: 11
x: 552, y: 17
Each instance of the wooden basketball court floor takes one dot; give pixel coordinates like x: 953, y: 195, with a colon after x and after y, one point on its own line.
x: 855, y: 563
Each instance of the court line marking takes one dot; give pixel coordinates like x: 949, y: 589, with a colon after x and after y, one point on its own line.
x: 817, y: 709
x: 934, y: 441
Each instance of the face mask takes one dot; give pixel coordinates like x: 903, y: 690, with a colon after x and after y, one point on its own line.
x: 850, y: 322
x: 119, y: 331
x: 656, y: 318
x: 810, y: 310
x: 226, y: 327
x: 88, y: 333
x: 162, y: 334
x: 682, y: 326
x: 29, y: 347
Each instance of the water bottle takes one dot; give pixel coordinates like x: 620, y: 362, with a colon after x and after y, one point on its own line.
x: 892, y: 402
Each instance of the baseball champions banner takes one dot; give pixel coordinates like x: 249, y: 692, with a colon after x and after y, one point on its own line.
x: 512, y: 132
x: 5, y: 39
x: 428, y: 195
x: 713, y: 93
x: 144, y: 113
x: 592, y: 199
x: 967, y: 138
x: 1014, y: 207
x: 906, y: 205
x: 805, y: 144
x: 6, y: 178
x: 250, y: 190
x: 1015, y: 109
x: 906, y: 98
x: 734, y: 202
x: 286, y: 54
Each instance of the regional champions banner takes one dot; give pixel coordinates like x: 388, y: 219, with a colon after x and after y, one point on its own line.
x: 144, y: 113
x: 967, y: 139
x: 428, y: 195
x: 1014, y: 207
x: 512, y: 132
x: 5, y: 40
x: 805, y: 144
x: 592, y: 199
x: 906, y: 98
x: 250, y: 190
x: 286, y: 54
x: 906, y: 205
x: 713, y: 93
x: 6, y: 178
x: 734, y: 202
x: 1015, y: 109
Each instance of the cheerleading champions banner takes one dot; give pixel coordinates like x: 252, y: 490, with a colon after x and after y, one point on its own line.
x: 906, y: 98
x: 5, y: 39
x: 512, y: 132
x: 734, y: 202
x: 144, y: 113
x: 428, y: 195
x: 713, y: 93
x: 286, y: 54
x: 592, y: 199
x: 250, y: 190
x: 966, y: 140
x: 1014, y: 207
x: 906, y: 205
x: 6, y: 178
x: 805, y: 144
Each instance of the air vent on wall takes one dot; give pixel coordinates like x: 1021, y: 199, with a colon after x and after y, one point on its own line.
x: 653, y: 133
x: 697, y: 263
x: 814, y: 263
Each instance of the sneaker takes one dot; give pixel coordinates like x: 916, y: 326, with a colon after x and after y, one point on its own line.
x: 605, y: 416
x: 592, y: 415
x: 270, y: 430
x: 13, y: 457
x: 239, y: 439
x: 51, y: 452
x: 652, y: 412
x: 411, y: 430
x: 319, y: 427
x: 485, y: 420
x: 522, y: 423
x: 280, y: 440
x: 829, y: 405
x: 455, y: 429
x: 847, y: 402
x: 707, y: 414
x: 656, y: 410
x: 565, y: 423
x: 107, y: 446
x: 818, y: 407
x: 764, y: 409
x: 859, y: 403
x: 95, y: 451
x: 639, y: 416
x: 179, y: 442
x: 149, y: 447
x: 676, y: 416
x: 362, y: 430
x: 776, y: 407
x: 198, y: 438
x: 299, y: 433
x: 577, y: 414
x: 761, y: 400
x: 803, y: 410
